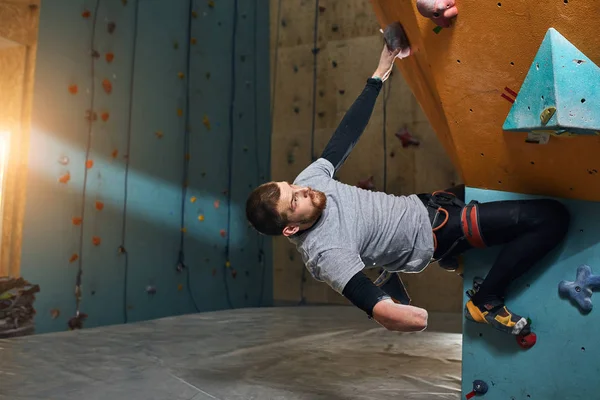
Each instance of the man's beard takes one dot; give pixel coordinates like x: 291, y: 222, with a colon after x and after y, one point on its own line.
x: 319, y: 201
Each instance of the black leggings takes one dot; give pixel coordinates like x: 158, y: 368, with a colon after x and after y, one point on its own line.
x: 528, y: 229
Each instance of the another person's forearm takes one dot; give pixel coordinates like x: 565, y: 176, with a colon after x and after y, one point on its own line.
x: 399, y: 317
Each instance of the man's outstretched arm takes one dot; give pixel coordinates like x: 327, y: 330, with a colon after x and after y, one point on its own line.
x: 377, y: 304
x: 357, y: 117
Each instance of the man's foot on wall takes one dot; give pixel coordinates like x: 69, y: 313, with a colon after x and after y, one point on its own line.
x: 496, y: 314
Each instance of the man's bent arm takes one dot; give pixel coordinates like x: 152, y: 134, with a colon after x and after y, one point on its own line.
x: 352, y: 125
x: 376, y: 303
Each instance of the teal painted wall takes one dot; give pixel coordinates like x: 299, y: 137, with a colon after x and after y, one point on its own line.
x: 137, y: 174
x: 563, y: 364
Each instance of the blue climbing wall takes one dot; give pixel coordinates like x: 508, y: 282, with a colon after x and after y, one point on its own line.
x: 563, y: 364
x: 179, y: 134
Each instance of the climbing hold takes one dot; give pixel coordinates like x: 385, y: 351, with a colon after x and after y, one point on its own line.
x: 335, y: 28
x: 527, y: 341
x: 107, y: 86
x: 175, y: 45
x: 99, y: 205
x: 73, y: 89
x: 111, y: 27
x: 367, y: 183
x: 479, y: 387
x: 194, y: 41
x: 65, y: 178
x: 200, y: 217
x: 96, y: 240
x: 233, y: 273
x: 406, y: 138
x: 216, y: 203
x: 159, y: 134
x: 395, y: 38
x: 121, y: 250
x: 194, y: 14
x: 64, y: 160
x: 77, y: 220
x: 184, y: 229
x: 206, y: 122
x: 105, y: 115
x: 222, y: 232
x: 74, y: 257
x: 180, y: 287
x: 181, y: 75
x: 115, y: 153
x: 211, y: 3
x: 91, y: 116
x: 580, y: 291
x: 109, y: 57
x: 440, y: 12
x: 334, y: 64
x: 193, y: 199
x: 227, y: 264
x: 89, y: 164
x: 54, y: 313
x: 95, y: 54
x: 77, y: 321
x: 342, y: 91
x: 321, y: 114
x: 124, y: 2
x: 86, y: 13
x: 553, y: 98
x: 295, y: 68
x: 150, y: 289
x: 296, y: 110
x: 179, y: 112
x: 437, y: 29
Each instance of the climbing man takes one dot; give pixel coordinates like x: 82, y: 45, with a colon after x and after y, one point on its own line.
x: 340, y: 230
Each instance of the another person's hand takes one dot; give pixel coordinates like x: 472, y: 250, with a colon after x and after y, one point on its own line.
x: 386, y: 63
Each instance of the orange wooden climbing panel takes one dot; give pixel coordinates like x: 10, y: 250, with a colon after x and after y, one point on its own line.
x: 465, y: 78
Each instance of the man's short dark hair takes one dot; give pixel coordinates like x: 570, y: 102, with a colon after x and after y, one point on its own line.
x: 261, y: 210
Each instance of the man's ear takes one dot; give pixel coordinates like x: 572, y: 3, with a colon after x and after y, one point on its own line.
x: 290, y: 230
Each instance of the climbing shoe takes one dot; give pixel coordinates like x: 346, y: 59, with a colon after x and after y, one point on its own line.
x: 496, y: 314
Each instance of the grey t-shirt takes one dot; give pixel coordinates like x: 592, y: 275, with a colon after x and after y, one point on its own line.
x: 361, y: 229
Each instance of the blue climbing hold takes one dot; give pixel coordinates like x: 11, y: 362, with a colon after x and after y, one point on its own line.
x: 580, y: 291
x: 560, y: 94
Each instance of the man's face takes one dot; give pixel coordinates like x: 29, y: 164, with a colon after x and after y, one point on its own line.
x: 302, y: 205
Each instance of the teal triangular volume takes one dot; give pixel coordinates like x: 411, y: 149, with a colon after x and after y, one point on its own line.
x: 560, y: 76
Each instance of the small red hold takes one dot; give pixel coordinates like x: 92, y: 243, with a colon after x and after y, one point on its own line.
x: 223, y: 233
x: 105, y: 115
x: 86, y: 13
x: 89, y: 164
x: 367, y: 183
x: 107, y: 86
x: 96, y: 240
x: 77, y: 220
x: 65, y: 178
x: 527, y: 341
x: 115, y: 153
x: 74, y: 257
x: 109, y: 57
x: 73, y: 89
x: 406, y: 138
x: 99, y: 205
x: 216, y: 203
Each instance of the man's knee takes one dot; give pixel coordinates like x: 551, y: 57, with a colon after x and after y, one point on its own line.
x: 556, y: 216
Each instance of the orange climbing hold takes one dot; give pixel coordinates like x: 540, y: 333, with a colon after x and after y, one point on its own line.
x: 194, y: 41
x: 104, y: 116
x: 179, y: 112
x: 99, y: 205
x: 74, y: 257
x: 211, y: 3
x: 96, y: 240
x: 77, y: 220
x: 89, y: 164
x: 193, y: 199
x: 54, y: 313
x: 73, y: 89
x: 65, y: 178
x: 184, y: 229
x: 180, y: 287
x: 109, y: 57
x: 86, y: 13
x: 200, y: 217
x: 115, y: 153
x: 159, y: 134
x: 107, y: 86
x: 206, y: 122
x: 181, y: 75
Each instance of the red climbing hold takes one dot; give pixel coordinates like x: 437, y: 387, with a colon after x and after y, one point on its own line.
x: 77, y: 220
x: 99, y: 205
x: 89, y: 164
x: 406, y: 138
x: 107, y: 86
x: 104, y: 116
x: 96, y: 240
x: 109, y: 57
x: 115, y: 153
x: 74, y: 257
x: 73, y: 89
x: 223, y: 233
x: 65, y: 178
x: 527, y: 341
x: 216, y: 203
x: 86, y: 13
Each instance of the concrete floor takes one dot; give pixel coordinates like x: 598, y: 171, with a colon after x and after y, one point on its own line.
x: 329, y: 352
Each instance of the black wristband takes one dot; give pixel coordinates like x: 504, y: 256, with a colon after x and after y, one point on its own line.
x: 363, y: 293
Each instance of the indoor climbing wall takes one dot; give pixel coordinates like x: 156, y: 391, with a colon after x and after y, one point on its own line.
x: 149, y: 130
x: 511, y: 89
x: 322, y: 53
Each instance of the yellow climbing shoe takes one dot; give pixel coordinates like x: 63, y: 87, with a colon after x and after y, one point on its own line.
x: 497, y: 315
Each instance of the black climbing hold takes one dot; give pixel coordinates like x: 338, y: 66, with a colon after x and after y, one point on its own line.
x: 321, y: 114
x: 283, y: 22
x: 321, y: 93
x: 334, y: 63
x: 315, y: 50
x: 208, y: 75
x: 296, y: 110
x: 335, y: 28
x: 480, y: 387
x: 342, y: 91
x: 295, y: 68
x: 150, y: 290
